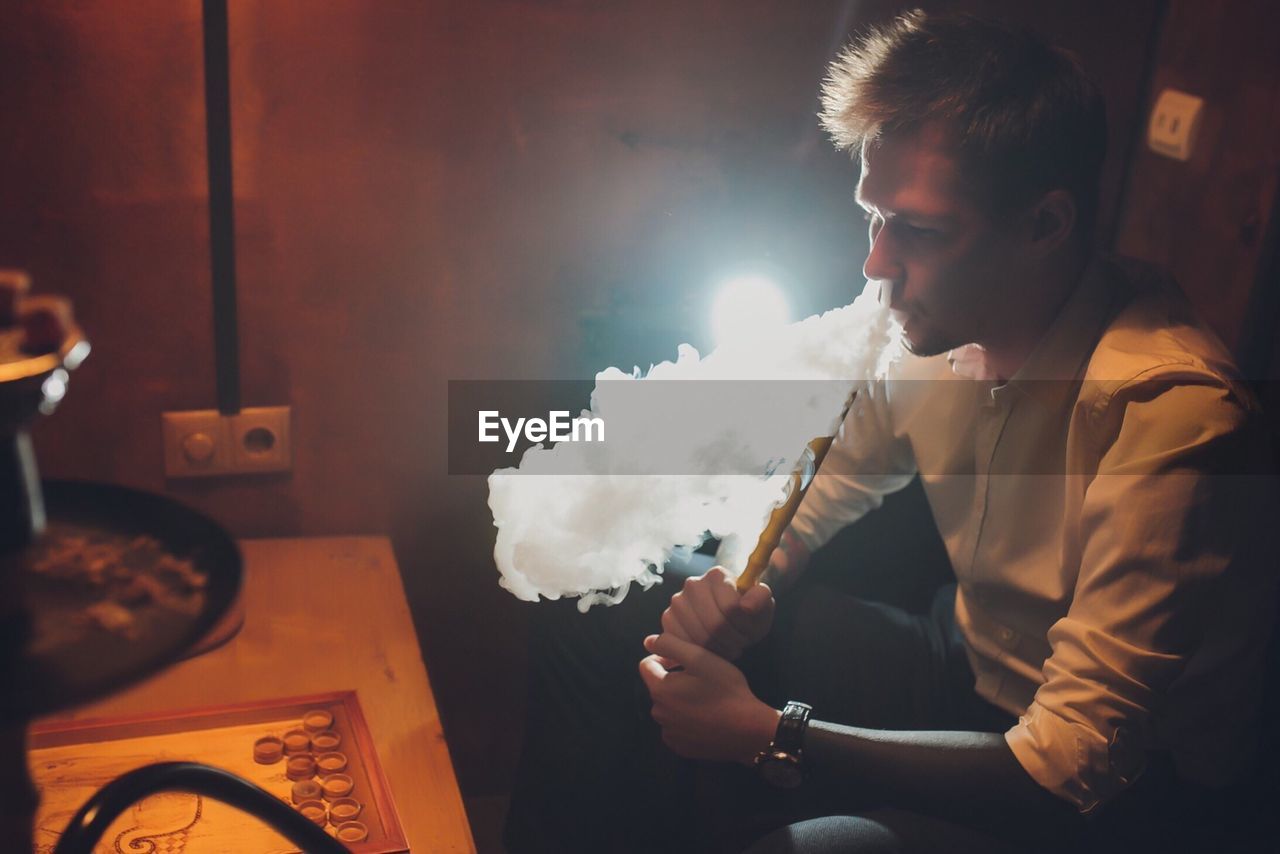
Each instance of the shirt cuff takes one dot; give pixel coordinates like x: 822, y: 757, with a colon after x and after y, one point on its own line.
x: 1072, y: 760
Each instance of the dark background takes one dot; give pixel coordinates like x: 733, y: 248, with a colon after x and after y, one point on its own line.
x: 511, y: 189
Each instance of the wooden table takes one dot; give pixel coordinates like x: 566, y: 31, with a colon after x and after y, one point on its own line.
x: 337, y: 604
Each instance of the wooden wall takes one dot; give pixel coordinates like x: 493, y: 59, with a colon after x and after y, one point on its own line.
x: 1211, y: 219
x: 430, y: 191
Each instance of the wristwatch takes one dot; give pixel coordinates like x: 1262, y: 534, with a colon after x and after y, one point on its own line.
x: 780, y: 765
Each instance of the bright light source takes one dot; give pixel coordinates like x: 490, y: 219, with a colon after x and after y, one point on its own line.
x: 748, y: 307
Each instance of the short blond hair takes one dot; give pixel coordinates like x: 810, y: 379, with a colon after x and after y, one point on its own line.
x: 1024, y: 115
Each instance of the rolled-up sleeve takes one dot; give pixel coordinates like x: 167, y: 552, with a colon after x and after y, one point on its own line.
x: 1160, y: 527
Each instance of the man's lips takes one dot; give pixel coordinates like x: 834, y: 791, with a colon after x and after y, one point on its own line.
x: 901, y: 316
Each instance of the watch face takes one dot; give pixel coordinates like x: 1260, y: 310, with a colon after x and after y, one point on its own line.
x: 780, y: 769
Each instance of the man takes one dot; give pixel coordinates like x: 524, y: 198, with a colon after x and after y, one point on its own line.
x: 1090, y: 459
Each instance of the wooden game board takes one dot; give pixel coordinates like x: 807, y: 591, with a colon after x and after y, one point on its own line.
x: 70, y: 761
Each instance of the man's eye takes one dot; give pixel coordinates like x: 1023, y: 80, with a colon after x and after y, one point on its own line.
x: 921, y: 231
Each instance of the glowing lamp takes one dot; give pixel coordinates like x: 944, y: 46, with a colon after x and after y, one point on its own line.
x: 747, y: 307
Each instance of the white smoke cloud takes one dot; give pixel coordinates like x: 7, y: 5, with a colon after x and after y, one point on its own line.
x: 622, y: 514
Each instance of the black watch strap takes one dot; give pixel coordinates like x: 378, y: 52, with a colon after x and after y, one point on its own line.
x: 781, y: 764
x: 789, y: 737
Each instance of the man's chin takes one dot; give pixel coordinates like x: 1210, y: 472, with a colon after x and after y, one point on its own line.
x: 925, y: 346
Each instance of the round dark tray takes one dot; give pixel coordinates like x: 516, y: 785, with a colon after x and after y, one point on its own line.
x: 94, y: 662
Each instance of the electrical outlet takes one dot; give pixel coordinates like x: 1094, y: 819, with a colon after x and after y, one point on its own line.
x: 260, y: 439
x: 204, y: 442
x: 1175, y: 121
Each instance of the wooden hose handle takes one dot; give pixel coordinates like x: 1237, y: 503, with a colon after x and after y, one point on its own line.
x: 780, y: 518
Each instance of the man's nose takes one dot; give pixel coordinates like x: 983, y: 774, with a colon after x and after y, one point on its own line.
x: 882, y: 262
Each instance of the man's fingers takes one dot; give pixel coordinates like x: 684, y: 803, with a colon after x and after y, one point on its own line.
x: 709, y: 597
x: 756, y: 599
x: 714, y: 609
x: 751, y: 614
x: 723, y: 592
x: 691, y: 656
x: 683, y: 610
x: 652, y: 670
x: 671, y: 623
x: 717, y: 573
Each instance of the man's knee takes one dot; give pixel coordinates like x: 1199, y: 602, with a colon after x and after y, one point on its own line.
x: 883, y: 831
x: 836, y: 834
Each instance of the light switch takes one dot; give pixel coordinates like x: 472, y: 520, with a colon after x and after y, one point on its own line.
x: 1174, y: 123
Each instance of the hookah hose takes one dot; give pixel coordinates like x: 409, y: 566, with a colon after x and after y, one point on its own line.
x: 801, y: 478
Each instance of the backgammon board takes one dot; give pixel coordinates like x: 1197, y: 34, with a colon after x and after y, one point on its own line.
x: 71, y: 760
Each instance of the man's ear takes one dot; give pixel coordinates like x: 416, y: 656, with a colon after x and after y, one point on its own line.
x: 1052, y: 221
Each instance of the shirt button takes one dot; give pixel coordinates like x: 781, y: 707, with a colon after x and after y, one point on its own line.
x: 1008, y: 635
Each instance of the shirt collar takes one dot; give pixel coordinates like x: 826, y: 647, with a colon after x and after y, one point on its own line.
x: 1065, y: 348
x: 1063, y: 351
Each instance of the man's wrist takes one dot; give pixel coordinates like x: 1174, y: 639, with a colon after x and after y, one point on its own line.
x: 759, y: 733
x: 782, y: 764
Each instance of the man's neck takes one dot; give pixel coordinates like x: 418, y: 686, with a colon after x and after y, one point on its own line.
x: 1016, y: 337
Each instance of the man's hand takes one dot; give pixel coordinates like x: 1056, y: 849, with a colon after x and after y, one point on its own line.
x: 711, y: 613
x: 706, y: 710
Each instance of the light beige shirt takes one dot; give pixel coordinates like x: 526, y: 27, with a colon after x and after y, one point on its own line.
x: 1107, y: 514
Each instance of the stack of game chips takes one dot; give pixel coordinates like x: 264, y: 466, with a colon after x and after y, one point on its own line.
x: 310, y: 751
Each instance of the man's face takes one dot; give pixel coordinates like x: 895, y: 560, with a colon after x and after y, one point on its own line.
x: 949, y: 265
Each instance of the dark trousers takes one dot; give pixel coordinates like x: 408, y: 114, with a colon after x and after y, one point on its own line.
x: 595, y: 777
